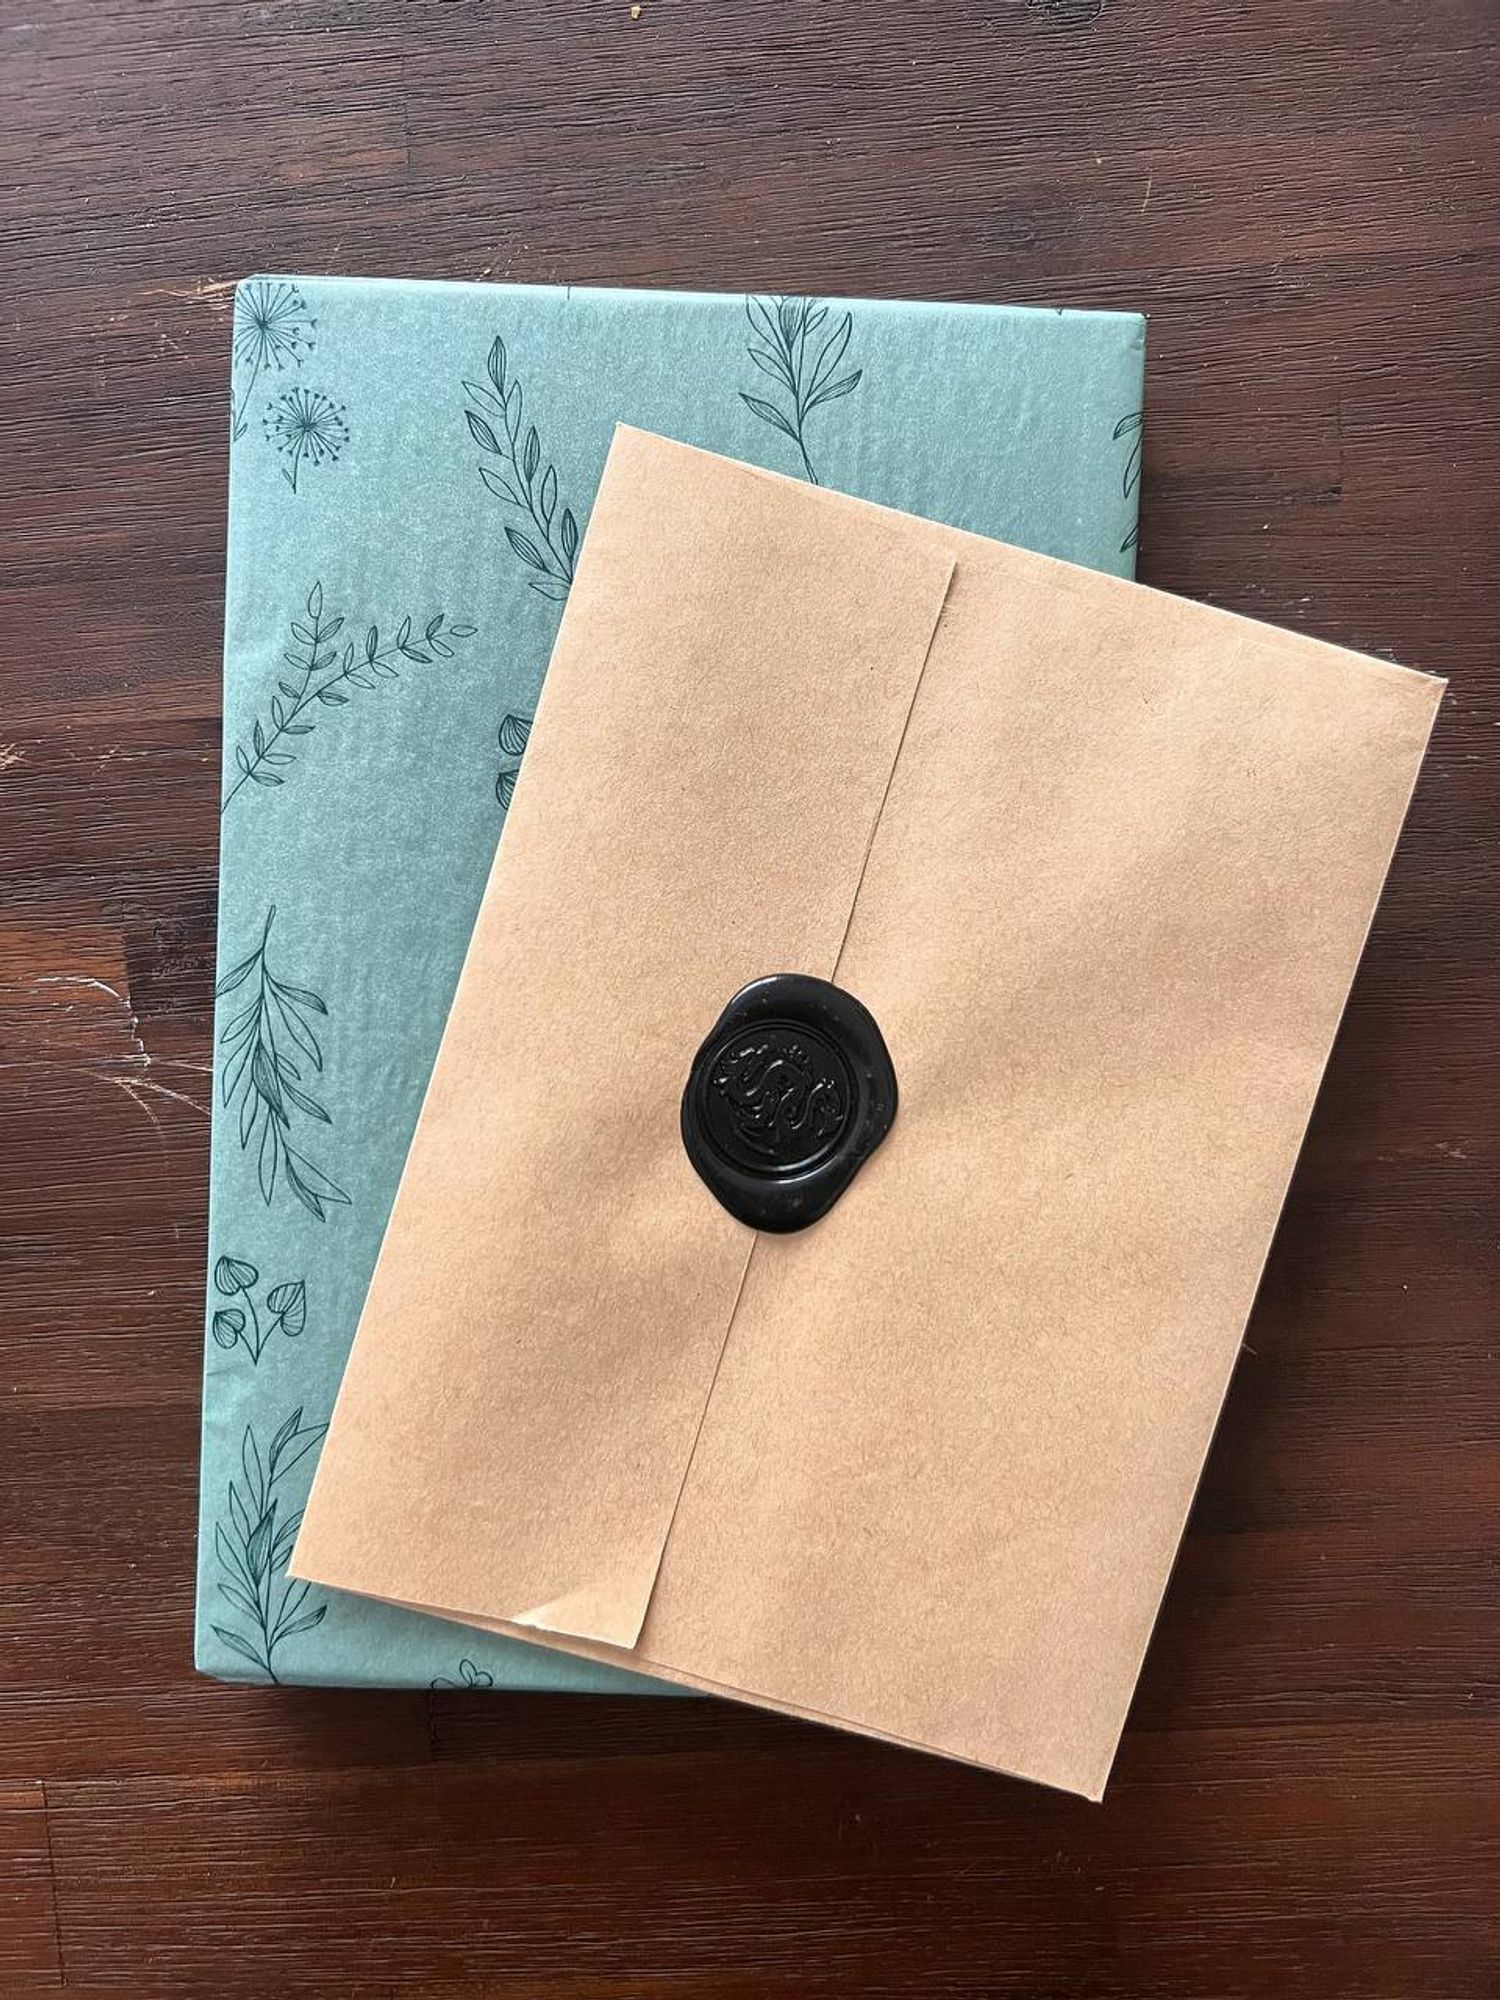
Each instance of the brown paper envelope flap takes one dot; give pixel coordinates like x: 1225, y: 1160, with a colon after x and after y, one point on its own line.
x: 1106, y: 910
x: 1108, y: 920
x: 1110, y: 917
x: 718, y: 729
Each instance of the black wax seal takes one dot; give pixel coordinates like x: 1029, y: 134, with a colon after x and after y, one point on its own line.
x: 786, y: 1100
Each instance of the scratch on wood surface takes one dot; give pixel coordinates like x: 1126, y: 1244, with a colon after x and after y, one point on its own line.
x: 10, y: 755
x: 54, y: 1901
x: 133, y: 1086
x: 136, y: 1056
x: 81, y: 979
x: 140, y: 1084
x: 138, y: 1052
x: 217, y: 293
x: 134, y: 1083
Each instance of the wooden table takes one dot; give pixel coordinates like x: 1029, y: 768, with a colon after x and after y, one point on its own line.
x: 1303, y: 194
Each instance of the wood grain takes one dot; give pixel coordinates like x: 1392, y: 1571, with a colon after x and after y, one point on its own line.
x: 1303, y: 195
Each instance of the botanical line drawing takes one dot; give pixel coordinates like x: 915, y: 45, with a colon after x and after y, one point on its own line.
x: 519, y: 475
x: 787, y: 342
x: 272, y: 329
x: 515, y: 733
x: 324, y: 674
x: 284, y: 1308
x: 258, y: 1069
x: 470, y: 1675
x: 253, y: 1545
x: 303, y: 426
x: 1133, y: 428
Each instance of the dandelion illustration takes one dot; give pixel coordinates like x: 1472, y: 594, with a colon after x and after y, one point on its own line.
x: 272, y: 329
x: 787, y: 343
x: 305, y: 425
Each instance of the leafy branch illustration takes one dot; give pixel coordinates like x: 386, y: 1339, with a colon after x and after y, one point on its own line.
x: 548, y: 542
x: 254, y: 1544
x: 241, y: 1325
x: 272, y: 329
x: 787, y: 343
x: 260, y: 1072
x: 515, y: 734
x: 322, y: 677
x: 470, y: 1675
x: 1132, y: 427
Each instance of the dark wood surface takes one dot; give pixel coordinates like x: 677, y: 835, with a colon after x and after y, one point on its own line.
x: 1303, y: 194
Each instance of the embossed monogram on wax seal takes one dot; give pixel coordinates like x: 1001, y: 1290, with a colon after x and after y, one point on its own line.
x: 780, y: 1097
x: 786, y: 1099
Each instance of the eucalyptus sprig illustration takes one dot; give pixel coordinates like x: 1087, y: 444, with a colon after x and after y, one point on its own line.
x: 515, y: 734
x: 787, y: 342
x: 1132, y: 427
x: 519, y: 475
x: 323, y: 675
x: 241, y: 1325
x: 259, y: 1070
x: 253, y: 1545
x: 272, y: 329
x: 470, y: 1675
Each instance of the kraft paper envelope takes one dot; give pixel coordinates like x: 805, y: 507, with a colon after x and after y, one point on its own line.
x: 1100, y: 863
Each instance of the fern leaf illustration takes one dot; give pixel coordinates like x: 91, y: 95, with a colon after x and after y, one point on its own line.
x: 517, y: 471
x: 323, y: 675
x: 1133, y: 427
x: 789, y: 345
x: 259, y: 1072
x: 254, y: 1544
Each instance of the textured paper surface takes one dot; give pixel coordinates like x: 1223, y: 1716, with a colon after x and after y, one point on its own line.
x: 360, y: 485
x: 1101, y: 862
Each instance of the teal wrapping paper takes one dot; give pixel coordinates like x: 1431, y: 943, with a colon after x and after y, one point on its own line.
x: 410, y: 476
